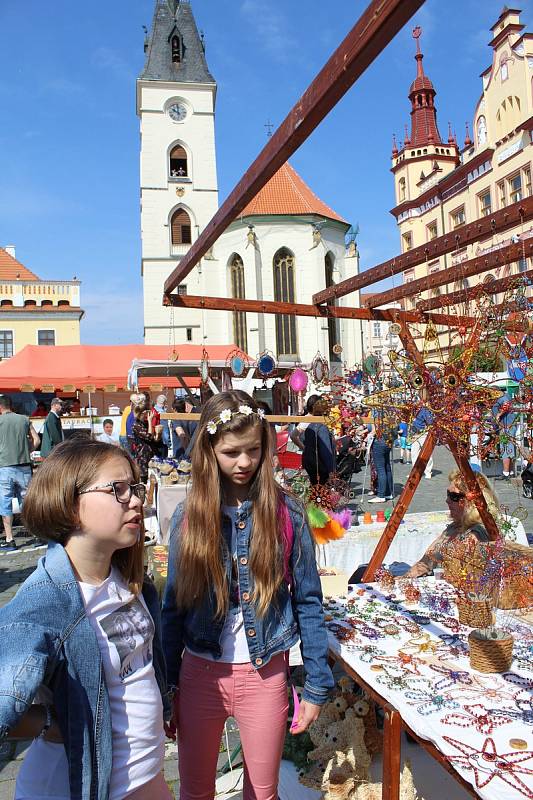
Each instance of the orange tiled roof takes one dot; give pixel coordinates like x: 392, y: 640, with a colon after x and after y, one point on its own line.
x: 287, y: 193
x: 13, y: 270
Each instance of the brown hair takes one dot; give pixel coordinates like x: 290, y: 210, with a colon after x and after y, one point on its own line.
x: 200, y: 565
x: 139, y: 409
x: 471, y: 514
x: 51, y: 504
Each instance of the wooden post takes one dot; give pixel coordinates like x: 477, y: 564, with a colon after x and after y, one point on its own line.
x: 392, y: 754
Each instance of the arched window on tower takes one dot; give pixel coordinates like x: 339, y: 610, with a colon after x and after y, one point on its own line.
x: 333, y: 323
x: 176, y: 49
x: 177, y: 163
x: 180, y: 225
x: 236, y: 268
x: 286, y: 343
x: 401, y: 190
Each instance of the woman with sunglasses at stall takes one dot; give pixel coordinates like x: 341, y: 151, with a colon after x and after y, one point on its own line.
x: 81, y: 665
x: 465, y: 523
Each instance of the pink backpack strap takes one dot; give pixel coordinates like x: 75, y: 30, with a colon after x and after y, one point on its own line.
x: 288, y: 539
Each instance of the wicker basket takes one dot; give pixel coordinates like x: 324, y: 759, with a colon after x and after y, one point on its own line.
x: 490, y: 655
x: 475, y: 613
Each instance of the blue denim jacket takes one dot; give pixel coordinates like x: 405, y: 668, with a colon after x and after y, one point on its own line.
x: 47, y: 639
x: 295, y: 614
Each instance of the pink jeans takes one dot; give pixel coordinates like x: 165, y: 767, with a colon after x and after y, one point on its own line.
x: 209, y: 693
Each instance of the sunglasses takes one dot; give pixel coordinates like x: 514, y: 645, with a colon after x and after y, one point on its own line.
x: 454, y: 497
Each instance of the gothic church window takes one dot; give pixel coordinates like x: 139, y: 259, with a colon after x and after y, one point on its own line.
x: 286, y: 343
x: 240, y: 336
x: 177, y: 167
x: 180, y: 227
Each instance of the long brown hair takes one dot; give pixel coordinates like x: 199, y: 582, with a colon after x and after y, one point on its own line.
x: 200, y: 562
x: 51, y: 505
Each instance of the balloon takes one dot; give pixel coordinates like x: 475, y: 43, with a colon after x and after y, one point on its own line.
x: 298, y: 380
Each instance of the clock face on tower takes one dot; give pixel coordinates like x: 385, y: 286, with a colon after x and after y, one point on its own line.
x: 177, y: 112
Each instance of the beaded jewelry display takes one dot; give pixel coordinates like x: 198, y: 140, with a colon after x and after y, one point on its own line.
x: 226, y: 415
x: 478, y: 716
x: 430, y: 703
x: 451, y: 677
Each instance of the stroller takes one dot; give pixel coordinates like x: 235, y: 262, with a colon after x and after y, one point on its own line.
x: 527, y: 481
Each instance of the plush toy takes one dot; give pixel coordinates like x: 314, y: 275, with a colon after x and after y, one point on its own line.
x: 373, y: 791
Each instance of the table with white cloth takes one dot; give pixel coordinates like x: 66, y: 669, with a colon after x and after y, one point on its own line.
x: 414, y: 535
x: 479, y: 726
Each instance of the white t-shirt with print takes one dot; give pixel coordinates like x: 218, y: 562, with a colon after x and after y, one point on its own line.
x: 124, y: 630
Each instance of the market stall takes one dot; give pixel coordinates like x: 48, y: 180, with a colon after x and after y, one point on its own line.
x: 415, y: 534
x: 407, y: 648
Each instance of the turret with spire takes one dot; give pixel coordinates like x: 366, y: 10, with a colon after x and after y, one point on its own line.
x: 425, y: 156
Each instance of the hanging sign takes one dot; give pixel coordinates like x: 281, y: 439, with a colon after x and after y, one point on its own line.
x: 89, y: 388
x: 27, y: 387
x: 110, y: 387
x: 48, y: 388
x: 156, y: 387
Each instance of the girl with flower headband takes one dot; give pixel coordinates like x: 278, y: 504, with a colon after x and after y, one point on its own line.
x: 242, y: 589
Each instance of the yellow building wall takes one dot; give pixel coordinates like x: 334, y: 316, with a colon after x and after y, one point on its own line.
x: 67, y: 331
x: 506, y: 103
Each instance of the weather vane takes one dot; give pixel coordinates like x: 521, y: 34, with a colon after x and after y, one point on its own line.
x: 269, y: 126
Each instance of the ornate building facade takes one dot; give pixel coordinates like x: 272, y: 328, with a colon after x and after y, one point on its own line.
x: 440, y: 187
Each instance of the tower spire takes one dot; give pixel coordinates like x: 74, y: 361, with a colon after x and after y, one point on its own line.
x: 424, y: 128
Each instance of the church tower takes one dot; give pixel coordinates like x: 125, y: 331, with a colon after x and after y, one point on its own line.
x: 176, y: 104
x: 424, y: 159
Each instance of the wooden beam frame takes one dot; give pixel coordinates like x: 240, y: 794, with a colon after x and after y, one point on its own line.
x: 419, y: 466
x: 501, y: 220
x: 323, y: 312
x: 472, y: 293
x: 475, y: 266
x: 376, y: 27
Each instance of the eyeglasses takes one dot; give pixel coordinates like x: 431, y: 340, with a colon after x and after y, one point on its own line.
x: 454, y: 497
x: 121, y: 489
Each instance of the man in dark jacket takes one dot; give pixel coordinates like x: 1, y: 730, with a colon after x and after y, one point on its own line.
x: 52, y: 431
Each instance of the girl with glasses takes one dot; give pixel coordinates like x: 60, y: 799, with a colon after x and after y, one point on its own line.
x: 81, y: 666
x: 465, y: 523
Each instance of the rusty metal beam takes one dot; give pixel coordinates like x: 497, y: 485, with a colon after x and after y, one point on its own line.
x: 376, y: 27
x: 466, y: 295
x: 482, y: 228
x: 476, y: 266
x: 301, y: 310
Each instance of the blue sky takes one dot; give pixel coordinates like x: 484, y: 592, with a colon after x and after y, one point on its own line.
x: 69, y: 137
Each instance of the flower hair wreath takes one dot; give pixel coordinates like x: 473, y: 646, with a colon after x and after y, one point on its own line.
x: 227, y: 414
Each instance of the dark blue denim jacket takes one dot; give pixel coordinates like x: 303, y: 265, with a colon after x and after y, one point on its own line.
x: 47, y: 639
x: 295, y: 614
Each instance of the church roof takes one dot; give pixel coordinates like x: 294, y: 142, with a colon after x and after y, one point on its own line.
x: 13, y: 270
x: 288, y: 194
x: 170, y: 17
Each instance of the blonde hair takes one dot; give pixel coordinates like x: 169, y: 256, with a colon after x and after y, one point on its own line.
x: 51, y: 505
x: 139, y: 409
x: 200, y: 567
x: 471, y: 515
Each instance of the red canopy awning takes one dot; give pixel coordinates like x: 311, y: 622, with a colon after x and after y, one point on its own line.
x: 50, y: 369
